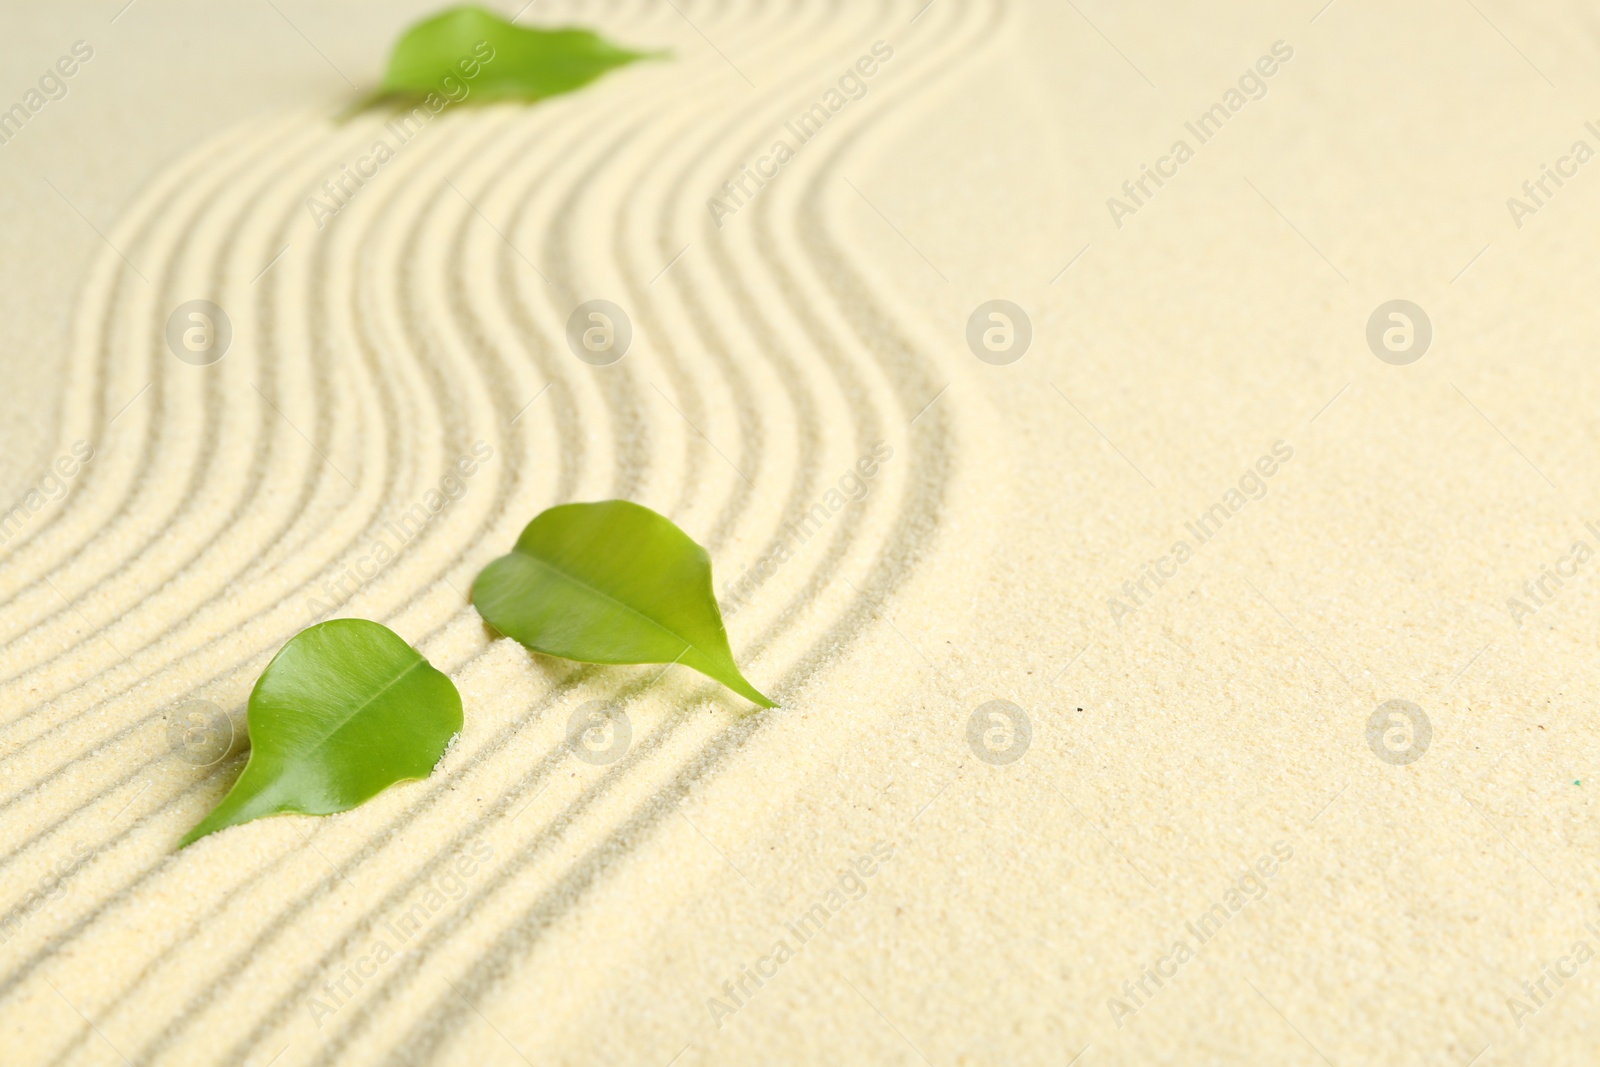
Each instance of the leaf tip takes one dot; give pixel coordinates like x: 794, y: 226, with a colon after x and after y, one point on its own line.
x: 203, y: 828
x: 739, y: 684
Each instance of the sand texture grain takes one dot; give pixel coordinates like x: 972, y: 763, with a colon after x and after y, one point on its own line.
x: 1182, y: 837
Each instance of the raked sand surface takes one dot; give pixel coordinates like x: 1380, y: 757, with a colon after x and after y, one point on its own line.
x: 1202, y: 854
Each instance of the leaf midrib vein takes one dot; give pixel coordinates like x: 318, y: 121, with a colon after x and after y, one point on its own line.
x: 607, y: 596
x: 396, y: 680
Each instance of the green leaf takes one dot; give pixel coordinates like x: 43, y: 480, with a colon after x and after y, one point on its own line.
x: 343, y: 711
x: 611, y: 582
x: 476, y: 52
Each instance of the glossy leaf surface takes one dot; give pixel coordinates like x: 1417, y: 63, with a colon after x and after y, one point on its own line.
x: 343, y: 711
x: 611, y: 582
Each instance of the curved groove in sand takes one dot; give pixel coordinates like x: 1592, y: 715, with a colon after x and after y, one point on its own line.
x: 430, y: 375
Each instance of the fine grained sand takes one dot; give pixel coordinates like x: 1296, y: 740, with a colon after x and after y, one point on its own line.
x: 1204, y: 754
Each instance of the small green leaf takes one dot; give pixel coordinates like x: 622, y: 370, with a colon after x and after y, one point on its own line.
x: 471, y: 53
x: 611, y: 582
x: 343, y: 711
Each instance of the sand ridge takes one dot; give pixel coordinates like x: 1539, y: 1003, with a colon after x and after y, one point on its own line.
x: 313, y: 378
x: 534, y: 902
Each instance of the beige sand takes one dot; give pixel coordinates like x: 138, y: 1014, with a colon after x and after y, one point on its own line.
x: 546, y: 909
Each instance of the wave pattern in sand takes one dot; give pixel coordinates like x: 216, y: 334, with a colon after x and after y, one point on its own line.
x: 227, y: 504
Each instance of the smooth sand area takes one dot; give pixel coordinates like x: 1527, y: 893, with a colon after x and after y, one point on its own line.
x: 1196, y: 832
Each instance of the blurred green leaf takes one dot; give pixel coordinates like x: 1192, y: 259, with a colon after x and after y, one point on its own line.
x: 469, y: 53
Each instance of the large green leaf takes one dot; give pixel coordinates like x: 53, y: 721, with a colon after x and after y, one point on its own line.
x: 476, y: 51
x: 343, y: 711
x: 611, y: 582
